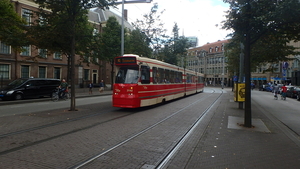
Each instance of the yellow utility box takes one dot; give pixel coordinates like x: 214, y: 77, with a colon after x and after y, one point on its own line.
x: 239, y: 92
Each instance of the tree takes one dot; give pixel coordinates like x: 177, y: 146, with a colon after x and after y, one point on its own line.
x: 257, y: 22
x: 175, y: 48
x: 111, y: 41
x: 12, y: 27
x: 153, y: 28
x: 138, y: 43
x: 64, y: 24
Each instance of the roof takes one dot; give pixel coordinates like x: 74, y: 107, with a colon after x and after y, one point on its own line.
x: 211, y: 46
x: 99, y: 15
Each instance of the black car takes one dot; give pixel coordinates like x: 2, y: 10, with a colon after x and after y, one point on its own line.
x: 290, y: 91
x: 297, y: 93
x: 29, y: 88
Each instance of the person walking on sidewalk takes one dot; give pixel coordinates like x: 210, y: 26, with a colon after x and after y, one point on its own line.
x: 101, y: 89
x: 91, y: 88
x: 275, y: 90
x: 283, y: 92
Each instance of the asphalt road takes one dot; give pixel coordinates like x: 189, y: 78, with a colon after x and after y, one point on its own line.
x: 37, y: 105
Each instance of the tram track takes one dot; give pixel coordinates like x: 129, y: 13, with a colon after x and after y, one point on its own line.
x: 167, y: 155
x: 112, y: 142
x: 29, y: 143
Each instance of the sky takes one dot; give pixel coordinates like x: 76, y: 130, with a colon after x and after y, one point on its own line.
x: 200, y: 18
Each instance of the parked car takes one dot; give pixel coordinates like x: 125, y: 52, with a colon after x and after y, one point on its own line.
x: 28, y: 88
x: 294, y: 91
x: 290, y: 91
x: 298, y: 94
x: 268, y: 88
x: 263, y: 87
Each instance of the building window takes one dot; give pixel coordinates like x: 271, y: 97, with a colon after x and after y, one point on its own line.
x: 24, y: 71
x: 57, y: 73
x: 26, y: 51
x: 42, y: 71
x: 26, y: 15
x: 4, y: 71
x: 57, y: 55
x: 42, y: 53
x: 86, y: 74
x: 4, y: 49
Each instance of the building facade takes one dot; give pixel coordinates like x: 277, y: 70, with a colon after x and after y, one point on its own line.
x: 209, y: 59
x: 50, y: 64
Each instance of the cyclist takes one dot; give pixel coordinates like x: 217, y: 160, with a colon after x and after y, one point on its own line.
x: 62, y: 88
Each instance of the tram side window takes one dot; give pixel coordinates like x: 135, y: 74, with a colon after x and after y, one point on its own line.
x: 145, y: 75
x: 178, y: 78
x: 172, y: 76
x: 167, y: 76
x: 189, y: 78
x: 161, y: 75
x: 154, y: 75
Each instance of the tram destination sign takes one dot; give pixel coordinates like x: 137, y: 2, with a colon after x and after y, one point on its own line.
x: 125, y: 60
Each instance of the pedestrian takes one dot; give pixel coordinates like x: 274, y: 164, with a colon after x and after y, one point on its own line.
x: 91, y: 88
x: 275, y: 90
x: 101, y: 89
x: 283, y: 91
x: 252, y: 85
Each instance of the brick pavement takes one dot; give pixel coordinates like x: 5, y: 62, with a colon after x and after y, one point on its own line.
x: 224, y: 145
x: 219, y: 143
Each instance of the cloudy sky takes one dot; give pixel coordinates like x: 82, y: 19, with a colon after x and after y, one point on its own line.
x: 201, y: 18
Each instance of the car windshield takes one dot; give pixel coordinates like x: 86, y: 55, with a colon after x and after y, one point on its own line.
x: 16, y: 82
x: 128, y: 75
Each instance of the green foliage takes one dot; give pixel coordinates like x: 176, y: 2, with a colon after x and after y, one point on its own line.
x: 138, y: 43
x: 12, y: 26
x: 175, y: 49
x: 111, y: 39
x: 153, y: 27
x: 269, y: 24
x: 54, y: 30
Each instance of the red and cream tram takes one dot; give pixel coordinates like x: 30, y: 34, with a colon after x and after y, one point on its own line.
x: 143, y: 82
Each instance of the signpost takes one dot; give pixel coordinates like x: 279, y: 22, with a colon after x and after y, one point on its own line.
x: 122, y: 31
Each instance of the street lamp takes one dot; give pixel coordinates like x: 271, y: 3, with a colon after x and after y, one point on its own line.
x: 122, y: 31
x: 223, y: 48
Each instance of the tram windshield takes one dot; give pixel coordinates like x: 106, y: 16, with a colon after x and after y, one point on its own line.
x: 128, y: 75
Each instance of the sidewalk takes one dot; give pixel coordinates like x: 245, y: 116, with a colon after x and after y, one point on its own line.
x: 225, y: 143
x: 84, y: 92
x: 222, y: 142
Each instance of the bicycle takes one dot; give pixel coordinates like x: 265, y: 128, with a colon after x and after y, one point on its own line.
x: 55, y: 95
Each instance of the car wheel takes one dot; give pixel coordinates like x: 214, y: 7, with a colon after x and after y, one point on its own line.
x: 18, y: 97
x: 298, y: 97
